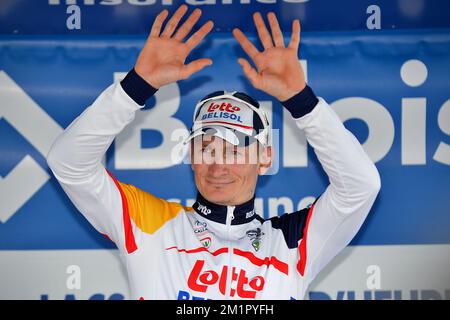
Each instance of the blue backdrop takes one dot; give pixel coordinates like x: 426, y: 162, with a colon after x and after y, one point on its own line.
x: 63, y: 72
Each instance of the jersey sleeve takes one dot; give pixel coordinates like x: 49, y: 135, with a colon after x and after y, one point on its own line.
x: 75, y: 160
x: 331, y: 222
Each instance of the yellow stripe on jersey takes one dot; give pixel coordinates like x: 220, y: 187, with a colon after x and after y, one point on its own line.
x: 149, y: 213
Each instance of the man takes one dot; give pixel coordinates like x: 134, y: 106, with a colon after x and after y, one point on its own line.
x: 220, y: 248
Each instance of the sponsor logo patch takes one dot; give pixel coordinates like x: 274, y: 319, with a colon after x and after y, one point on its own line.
x: 255, y: 237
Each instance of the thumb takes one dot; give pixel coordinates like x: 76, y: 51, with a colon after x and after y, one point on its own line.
x: 250, y: 72
x: 193, y: 67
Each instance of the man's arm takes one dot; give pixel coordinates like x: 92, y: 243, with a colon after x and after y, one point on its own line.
x: 329, y: 225
x: 75, y: 157
x: 341, y: 209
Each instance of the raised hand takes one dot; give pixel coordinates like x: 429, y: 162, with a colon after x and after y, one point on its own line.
x: 161, y: 61
x: 278, y: 71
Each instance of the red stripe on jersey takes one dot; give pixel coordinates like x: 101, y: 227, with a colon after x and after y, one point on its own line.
x: 302, y: 248
x: 200, y: 249
x: 130, y: 242
x: 279, y: 265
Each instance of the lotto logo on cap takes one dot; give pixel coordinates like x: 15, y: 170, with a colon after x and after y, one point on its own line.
x: 228, y: 116
x: 226, y: 113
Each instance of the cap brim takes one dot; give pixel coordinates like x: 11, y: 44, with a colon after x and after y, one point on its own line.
x: 236, y: 138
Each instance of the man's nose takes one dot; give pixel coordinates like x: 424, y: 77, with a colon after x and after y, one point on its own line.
x: 217, y: 169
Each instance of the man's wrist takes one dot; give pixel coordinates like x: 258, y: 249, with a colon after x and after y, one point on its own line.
x: 301, y: 103
x: 137, y: 88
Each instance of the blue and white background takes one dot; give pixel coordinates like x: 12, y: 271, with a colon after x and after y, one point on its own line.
x: 382, y: 65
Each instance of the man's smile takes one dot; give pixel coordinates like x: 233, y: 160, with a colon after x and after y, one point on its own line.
x: 218, y: 183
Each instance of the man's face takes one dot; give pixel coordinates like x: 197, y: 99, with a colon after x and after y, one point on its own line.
x: 227, y: 174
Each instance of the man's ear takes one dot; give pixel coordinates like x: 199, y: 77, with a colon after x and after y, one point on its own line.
x: 265, y: 160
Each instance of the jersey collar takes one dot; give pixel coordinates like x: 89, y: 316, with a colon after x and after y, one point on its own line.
x: 243, y: 213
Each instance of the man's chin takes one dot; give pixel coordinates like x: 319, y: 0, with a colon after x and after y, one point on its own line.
x: 219, y: 195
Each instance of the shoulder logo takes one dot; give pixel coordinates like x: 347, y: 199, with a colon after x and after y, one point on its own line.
x: 200, y: 227
x: 206, y: 242
x: 255, y: 237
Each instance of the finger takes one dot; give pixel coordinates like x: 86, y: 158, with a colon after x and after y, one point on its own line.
x: 277, y: 35
x: 194, y: 67
x: 295, y: 37
x: 188, y: 24
x: 263, y: 33
x: 246, y: 45
x: 173, y: 22
x: 250, y: 73
x: 156, y: 28
x: 198, y: 36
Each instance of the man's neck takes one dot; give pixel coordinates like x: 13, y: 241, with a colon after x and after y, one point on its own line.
x: 243, y: 212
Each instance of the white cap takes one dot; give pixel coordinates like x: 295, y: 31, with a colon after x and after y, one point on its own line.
x: 230, y: 118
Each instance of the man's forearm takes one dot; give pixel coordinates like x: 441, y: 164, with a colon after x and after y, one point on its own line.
x: 78, y: 151
x: 351, y: 172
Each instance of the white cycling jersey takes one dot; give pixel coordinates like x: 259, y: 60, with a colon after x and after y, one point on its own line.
x: 210, y: 251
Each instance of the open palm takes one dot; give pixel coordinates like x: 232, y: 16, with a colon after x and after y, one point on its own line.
x: 278, y: 71
x: 162, y: 60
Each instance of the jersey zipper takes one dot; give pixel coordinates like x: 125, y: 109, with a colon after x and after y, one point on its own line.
x: 230, y: 217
